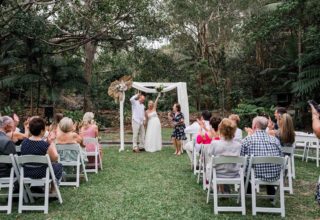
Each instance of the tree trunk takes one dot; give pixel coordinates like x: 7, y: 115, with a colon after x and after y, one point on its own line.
x: 90, y: 49
x: 29, y: 46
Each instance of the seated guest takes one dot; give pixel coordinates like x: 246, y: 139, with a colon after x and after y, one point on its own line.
x: 205, y: 135
x: 54, y: 127
x: 277, y: 114
x: 285, y: 133
x: 16, y: 135
x: 260, y: 143
x: 6, y: 145
x: 66, y: 135
x: 193, y: 130
x: 226, y: 146
x: 36, y: 146
x: 236, y: 119
x: 89, y: 129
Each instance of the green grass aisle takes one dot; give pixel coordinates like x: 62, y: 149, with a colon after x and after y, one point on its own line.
x: 159, y: 186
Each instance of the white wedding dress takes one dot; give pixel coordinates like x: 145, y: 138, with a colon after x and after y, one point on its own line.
x: 153, y: 140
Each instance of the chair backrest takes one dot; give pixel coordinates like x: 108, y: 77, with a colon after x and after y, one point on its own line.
x: 68, y: 152
x: 32, y: 159
x: 288, y: 150
x: 229, y: 160
x: 90, y: 141
x: 68, y: 147
x: 271, y: 160
x: 5, y: 159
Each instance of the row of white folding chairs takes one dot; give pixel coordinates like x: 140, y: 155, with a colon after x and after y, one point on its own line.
x: 17, y: 164
x: 239, y: 180
x: 76, y: 161
x: 307, y: 142
x: 97, y: 164
x: 200, y: 169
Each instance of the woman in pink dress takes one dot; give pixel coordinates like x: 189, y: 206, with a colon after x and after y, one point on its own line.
x: 89, y: 129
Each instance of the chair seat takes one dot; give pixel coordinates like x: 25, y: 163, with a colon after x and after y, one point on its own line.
x: 228, y: 181
x: 69, y: 163
x: 261, y: 182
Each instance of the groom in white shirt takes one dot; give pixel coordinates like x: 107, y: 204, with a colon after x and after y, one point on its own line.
x: 138, y: 117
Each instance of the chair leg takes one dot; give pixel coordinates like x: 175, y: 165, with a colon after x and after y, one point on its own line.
x: 46, y: 193
x: 282, y: 205
x: 215, y: 197
x: 84, y: 170
x: 304, y: 151
x: 10, y: 193
x: 195, y: 163
x: 78, y: 174
x: 96, y: 162
x: 204, y: 180
x: 290, y: 176
x: 308, y: 148
x: 209, y: 185
x: 200, y: 170
x: 100, y: 162
x: 317, y: 154
x: 21, y: 193
x: 253, y: 192
x: 293, y: 168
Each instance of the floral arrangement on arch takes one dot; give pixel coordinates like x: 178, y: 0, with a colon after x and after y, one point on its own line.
x: 117, y: 88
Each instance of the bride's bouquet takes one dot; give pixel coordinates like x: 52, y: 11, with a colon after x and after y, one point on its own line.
x: 160, y: 88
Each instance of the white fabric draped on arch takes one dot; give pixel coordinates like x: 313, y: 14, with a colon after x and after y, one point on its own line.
x: 150, y: 87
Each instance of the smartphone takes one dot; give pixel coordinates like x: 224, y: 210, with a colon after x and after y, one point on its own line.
x: 315, y: 105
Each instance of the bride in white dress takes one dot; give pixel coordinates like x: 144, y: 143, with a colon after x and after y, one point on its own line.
x: 153, y: 140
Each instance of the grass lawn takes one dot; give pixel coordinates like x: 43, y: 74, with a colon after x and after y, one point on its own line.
x: 160, y: 186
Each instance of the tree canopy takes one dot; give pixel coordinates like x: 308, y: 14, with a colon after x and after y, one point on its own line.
x: 254, y: 53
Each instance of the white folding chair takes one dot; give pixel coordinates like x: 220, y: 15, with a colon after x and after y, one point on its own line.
x: 97, y: 158
x: 195, y: 160
x: 70, y: 156
x: 307, y: 141
x: 289, y: 168
x: 301, y: 141
x: 34, y: 161
x: 313, y: 144
x: 239, y: 180
x: 7, y: 182
x: 203, y: 160
x: 281, y: 161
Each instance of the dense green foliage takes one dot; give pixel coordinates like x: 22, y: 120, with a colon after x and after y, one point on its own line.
x: 262, y: 53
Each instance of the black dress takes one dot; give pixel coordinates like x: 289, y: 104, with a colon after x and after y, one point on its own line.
x: 31, y: 147
x: 178, y: 132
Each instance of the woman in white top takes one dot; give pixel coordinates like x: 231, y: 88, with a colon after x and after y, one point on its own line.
x: 153, y: 140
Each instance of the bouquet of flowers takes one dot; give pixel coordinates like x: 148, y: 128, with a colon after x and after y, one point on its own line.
x: 160, y: 88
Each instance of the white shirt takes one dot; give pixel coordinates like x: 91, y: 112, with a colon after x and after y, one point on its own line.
x: 137, y: 110
x: 238, y: 135
x: 194, y: 128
